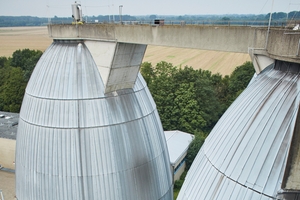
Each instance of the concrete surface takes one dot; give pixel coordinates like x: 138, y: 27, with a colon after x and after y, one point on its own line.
x: 7, y: 153
x: 282, y: 44
x: 8, y: 125
x: 7, y: 185
x: 8, y: 131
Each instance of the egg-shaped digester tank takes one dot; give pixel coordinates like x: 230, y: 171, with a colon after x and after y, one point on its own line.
x: 76, y: 142
x: 253, y: 151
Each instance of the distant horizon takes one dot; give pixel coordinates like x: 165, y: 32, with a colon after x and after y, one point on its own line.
x: 171, y: 15
x: 46, y: 8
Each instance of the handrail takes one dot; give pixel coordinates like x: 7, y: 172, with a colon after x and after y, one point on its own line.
x: 260, y: 23
x: 1, y: 195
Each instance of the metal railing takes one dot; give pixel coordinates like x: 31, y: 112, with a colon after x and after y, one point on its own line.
x: 259, y: 23
x: 1, y: 195
x: 212, y: 23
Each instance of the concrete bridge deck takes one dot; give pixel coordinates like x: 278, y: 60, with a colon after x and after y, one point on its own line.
x: 280, y: 43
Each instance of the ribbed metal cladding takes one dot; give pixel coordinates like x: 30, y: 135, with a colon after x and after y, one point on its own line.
x: 245, y: 155
x: 74, y: 142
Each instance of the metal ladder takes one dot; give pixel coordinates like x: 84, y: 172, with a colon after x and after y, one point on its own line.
x: 1, y: 195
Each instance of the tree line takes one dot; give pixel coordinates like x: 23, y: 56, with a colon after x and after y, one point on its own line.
x: 15, y: 72
x: 11, y: 21
x: 187, y: 99
x: 193, y: 100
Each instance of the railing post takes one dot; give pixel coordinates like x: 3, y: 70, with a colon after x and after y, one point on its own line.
x: 1, y: 195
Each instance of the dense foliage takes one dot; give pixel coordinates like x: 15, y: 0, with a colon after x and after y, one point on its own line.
x: 14, y: 75
x: 178, y: 184
x: 10, y: 21
x: 194, y: 148
x: 187, y: 99
x: 193, y: 100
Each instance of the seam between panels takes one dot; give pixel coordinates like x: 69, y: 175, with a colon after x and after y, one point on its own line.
x: 91, y: 127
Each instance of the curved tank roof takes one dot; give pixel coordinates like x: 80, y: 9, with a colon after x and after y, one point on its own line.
x: 246, y: 154
x: 75, y: 142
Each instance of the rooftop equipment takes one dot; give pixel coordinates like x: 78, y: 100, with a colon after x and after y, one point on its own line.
x: 77, y: 12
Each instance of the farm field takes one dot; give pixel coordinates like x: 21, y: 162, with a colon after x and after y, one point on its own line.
x: 214, y: 61
x: 36, y: 38
x: 14, y: 38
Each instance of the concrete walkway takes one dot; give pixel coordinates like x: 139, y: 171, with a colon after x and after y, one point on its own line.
x: 7, y: 185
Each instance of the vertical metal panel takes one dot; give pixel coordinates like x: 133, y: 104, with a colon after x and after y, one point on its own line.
x: 125, y: 66
x: 118, y: 63
x: 75, y: 142
x: 250, y: 143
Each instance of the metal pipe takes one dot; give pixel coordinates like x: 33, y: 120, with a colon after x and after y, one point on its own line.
x: 269, y: 25
x: 2, y: 197
x: 120, y: 13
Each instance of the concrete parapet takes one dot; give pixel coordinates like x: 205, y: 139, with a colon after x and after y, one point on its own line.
x: 284, y: 45
x: 222, y: 38
x: 278, y: 43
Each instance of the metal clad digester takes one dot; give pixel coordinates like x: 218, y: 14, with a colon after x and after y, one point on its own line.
x: 75, y: 141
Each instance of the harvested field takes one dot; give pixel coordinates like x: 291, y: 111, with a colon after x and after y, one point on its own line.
x: 14, y: 38
x: 214, y: 61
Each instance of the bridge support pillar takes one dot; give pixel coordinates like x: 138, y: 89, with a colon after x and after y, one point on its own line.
x: 118, y: 63
x: 260, y: 59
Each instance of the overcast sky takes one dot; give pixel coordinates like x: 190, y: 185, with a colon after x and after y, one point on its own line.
x: 62, y: 8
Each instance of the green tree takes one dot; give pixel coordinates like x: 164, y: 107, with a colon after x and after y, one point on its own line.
x: 194, y: 148
x: 178, y: 184
x: 12, y: 90
x: 226, y: 19
x: 207, y: 99
x: 186, y: 75
x: 152, y: 17
x: 186, y: 99
x: 202, y: 93
x: 239, y: 80
x: 193, y: 100
x: 26, y: 59
x: 147, y: 72
x: 277, y: 16
x: 294, y: 15
x: 187, y: 110
x: 163, y: 91
x: 14, y: 75
x: 3, y: 62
